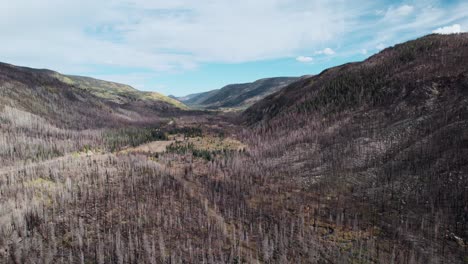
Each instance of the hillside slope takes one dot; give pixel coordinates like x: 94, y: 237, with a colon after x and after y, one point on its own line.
x: 385, y: 141
x: 78, y: 102
x: 238, y: 95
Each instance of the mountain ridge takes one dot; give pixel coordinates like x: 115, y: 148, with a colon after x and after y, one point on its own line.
x: 67, y: 100
x: 324, y: 88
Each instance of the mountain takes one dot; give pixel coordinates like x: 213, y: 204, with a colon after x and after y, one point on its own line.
x: 383, y: 142
x: 73, y: 101
x: 237, y: 96
x: 364, y: 163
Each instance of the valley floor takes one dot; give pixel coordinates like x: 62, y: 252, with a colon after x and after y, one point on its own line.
x: 195, y: 190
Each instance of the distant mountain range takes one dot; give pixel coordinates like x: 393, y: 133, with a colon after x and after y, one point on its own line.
x: 237, y: 96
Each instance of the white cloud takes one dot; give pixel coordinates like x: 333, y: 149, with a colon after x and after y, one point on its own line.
x: 326, y: 51
x: 453, y: 29
x: 404, y: 10
x: 422, y: 21
x: 398, y: 13
x: 364, y: 51
x: 381, y: 46
x: 165, y: 36
x: 304, y: 59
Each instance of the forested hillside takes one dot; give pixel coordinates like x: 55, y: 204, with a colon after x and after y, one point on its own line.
x: 383, y: 143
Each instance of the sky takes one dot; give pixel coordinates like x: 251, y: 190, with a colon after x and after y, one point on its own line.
x: 181, y: 47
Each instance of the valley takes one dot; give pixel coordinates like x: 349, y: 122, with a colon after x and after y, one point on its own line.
x: 364, y: 163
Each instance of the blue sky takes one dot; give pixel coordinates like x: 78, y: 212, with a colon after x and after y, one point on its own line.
x: 186, y: 46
